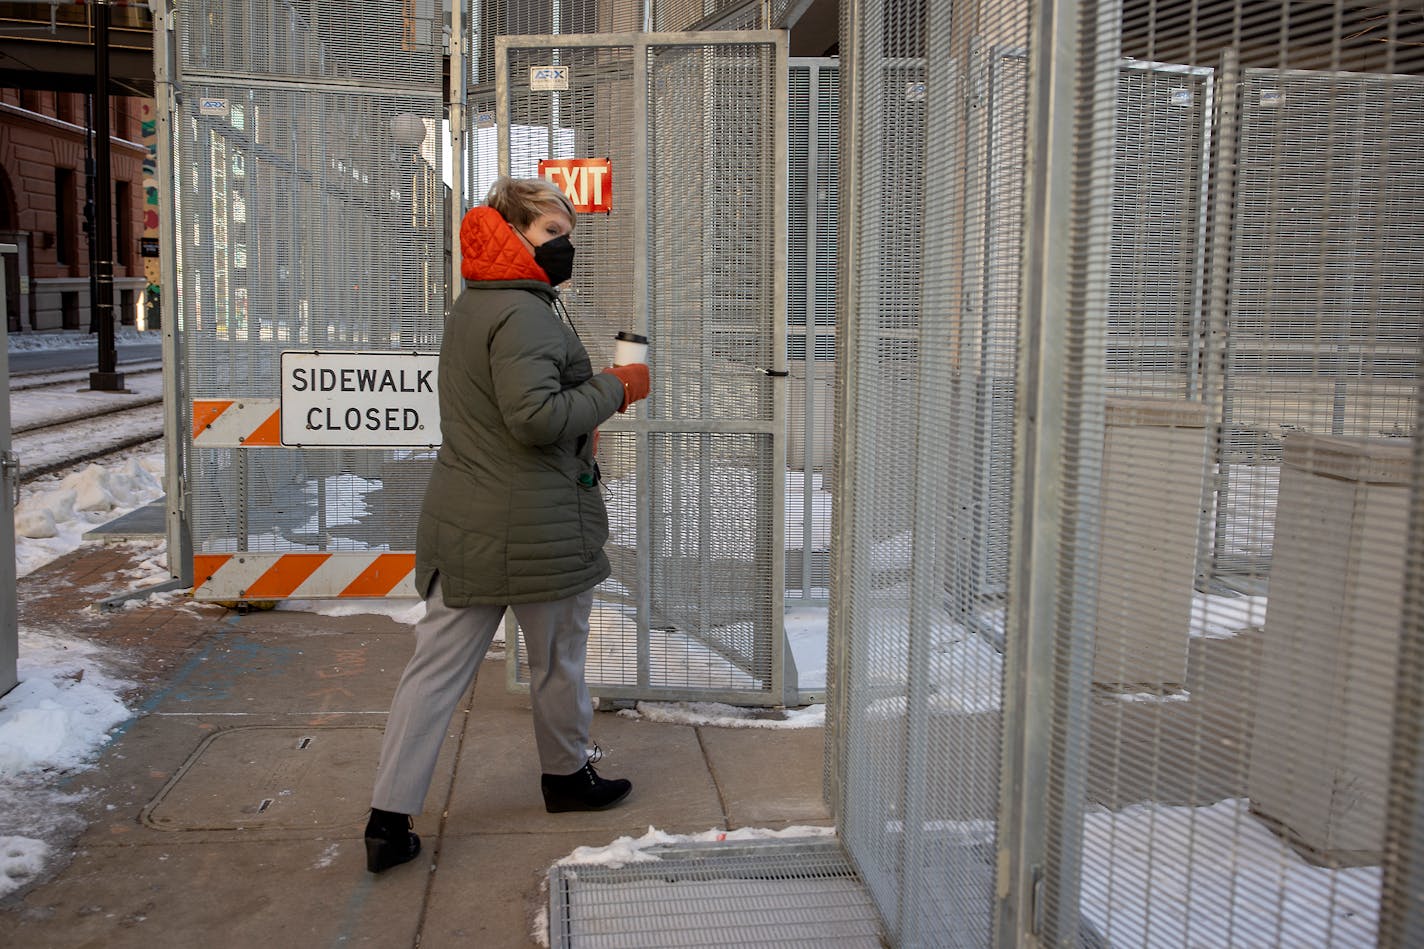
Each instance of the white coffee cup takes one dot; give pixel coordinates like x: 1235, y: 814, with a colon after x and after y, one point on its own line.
x: 629, y: 348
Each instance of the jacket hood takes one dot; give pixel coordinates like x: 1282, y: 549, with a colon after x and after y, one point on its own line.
x: 490, y: 250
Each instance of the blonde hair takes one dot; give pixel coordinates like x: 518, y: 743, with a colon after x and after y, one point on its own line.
x: 520, y: 200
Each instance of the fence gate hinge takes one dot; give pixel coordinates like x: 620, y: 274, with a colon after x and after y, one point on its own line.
x: 10, y: 474
x: 1036, y: 902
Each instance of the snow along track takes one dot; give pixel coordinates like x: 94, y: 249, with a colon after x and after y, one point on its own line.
x: 56, y: 427
x: 22, y: 381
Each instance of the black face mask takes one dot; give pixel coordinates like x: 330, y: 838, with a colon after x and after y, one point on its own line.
x: 557, y: 259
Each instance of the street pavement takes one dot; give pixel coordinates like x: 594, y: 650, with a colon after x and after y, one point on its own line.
x: 82, y: 357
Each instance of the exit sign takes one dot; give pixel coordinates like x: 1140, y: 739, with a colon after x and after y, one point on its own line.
x: 588, y: 182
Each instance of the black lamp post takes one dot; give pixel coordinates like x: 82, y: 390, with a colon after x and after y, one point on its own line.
x: 107, y: 378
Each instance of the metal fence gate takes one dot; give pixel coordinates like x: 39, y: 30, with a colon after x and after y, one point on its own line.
x: 310, y: 215
x: 693, y: 254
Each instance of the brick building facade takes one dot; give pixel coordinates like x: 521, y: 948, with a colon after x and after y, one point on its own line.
x: 43, y: 191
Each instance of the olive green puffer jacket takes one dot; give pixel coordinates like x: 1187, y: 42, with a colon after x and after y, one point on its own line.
x: 512, y: 513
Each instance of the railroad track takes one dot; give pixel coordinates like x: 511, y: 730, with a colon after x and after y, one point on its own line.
x: 47, y: 378
x: 57, y: 424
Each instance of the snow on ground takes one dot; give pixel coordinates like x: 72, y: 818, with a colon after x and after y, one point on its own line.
x: 71, y: 339
x: 57, y: 719
x: 626, y: 850
x: 807, y: 631
x: 46, y: 405
x: 1197, y: 876
x: 1222, y: 617
x: 55, y: 511
x: 51, y: 726
x: 725, y: 716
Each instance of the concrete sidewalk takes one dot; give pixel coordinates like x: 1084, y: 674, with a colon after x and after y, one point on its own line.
x: 230, y: 811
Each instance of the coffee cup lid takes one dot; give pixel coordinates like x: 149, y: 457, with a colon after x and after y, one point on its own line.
x: 628, y: 337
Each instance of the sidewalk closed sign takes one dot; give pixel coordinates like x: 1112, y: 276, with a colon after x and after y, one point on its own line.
x: 360, y: 400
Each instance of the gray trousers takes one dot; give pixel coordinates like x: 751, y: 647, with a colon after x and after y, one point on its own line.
x: 450, y: 643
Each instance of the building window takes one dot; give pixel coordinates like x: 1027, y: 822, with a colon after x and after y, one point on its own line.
x: 66, y: 217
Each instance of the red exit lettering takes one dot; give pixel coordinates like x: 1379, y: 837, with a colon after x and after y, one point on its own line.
x: 588, y: 182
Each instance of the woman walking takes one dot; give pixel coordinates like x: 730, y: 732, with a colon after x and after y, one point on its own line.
x: 513, y: 515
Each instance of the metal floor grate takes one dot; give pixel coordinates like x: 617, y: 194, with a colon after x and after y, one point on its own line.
x: 746, y: 895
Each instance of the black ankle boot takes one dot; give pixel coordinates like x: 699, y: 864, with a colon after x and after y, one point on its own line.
x: 583, y: 790
x: 389, y: 840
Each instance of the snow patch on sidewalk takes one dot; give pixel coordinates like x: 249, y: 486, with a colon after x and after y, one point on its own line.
x: 626, y: 850
x: 52, y: 725
x: 56, y: 511
x: 726, y: 716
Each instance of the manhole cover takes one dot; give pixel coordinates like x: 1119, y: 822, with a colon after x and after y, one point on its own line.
x: 264, y: 776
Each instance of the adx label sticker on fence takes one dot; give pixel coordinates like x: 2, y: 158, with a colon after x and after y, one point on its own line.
x: 212, y: 106
x: 360, y: 400
x: 548, y: 78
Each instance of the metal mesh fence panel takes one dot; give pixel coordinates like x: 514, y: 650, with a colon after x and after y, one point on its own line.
x: 314, y: 39
x: 591, y: 118
x: 310, y: 216
x: 1202, y: 298
x: 1155, y: 314
x: 1323, y: 326
x: 926, y: 360
x: 813, y: 144
x: 674, y: 15
x: 1401, y: 912
x: 691, y: 255
x: 487, y: 20
x: 1256, y: 376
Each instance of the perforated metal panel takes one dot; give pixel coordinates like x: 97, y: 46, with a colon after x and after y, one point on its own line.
x: 692, y: 254
x: 310, y: 216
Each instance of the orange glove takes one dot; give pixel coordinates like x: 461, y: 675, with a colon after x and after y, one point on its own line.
x: 636, y: 384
